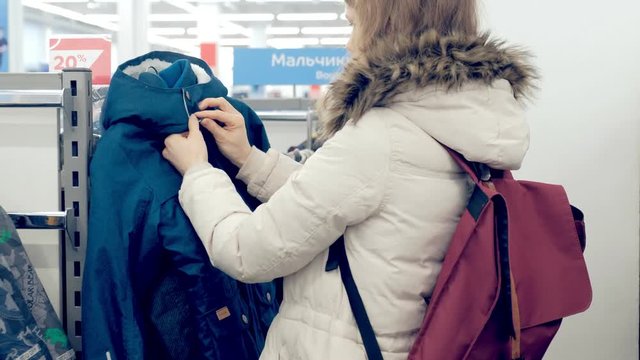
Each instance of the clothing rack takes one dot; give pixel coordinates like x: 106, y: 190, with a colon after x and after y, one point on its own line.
x: 306, y: 116
x: 70, y: 93
x: 287, y: 110
x: 58, y: 220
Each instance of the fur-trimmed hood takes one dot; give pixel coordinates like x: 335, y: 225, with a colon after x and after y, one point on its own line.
x: 401, y: 65
x: 464, y: 92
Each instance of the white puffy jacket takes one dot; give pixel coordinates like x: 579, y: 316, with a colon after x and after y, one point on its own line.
x: 388, y: 184
x: 385, y: 182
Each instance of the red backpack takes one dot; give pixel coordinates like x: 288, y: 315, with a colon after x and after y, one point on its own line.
x: 513, y: 270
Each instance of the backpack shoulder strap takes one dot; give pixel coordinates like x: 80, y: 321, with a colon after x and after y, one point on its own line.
x: 477, y: 171
x: 474, y: 170
x: 338, y: 258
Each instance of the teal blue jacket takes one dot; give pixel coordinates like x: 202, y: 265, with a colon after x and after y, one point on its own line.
x: 149, y: 290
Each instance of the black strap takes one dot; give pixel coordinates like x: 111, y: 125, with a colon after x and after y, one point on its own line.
x: 338, y: 258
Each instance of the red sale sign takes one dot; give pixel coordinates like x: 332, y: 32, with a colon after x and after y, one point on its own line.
x: 91, y: 52
x: 209, y: 53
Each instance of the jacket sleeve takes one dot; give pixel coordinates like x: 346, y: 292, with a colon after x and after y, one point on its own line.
x: 175, y: 233
x: 265, y: 173
x: 341, y: 185
x: 110, y: 301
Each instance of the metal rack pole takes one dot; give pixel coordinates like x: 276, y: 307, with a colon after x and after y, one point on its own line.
x: 74, y: 193
x: 310, y: 129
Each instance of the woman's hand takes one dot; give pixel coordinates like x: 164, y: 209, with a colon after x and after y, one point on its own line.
x: 231, y: 137
x: 186, y: 150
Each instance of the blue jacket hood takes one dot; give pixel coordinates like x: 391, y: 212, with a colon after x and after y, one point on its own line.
x: 147, y: 90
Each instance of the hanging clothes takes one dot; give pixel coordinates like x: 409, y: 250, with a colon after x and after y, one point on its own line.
x: 149, y: 289
x: 29, y: 326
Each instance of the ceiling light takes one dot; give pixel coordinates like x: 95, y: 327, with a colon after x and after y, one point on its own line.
x: 308, y: 17
x: 225, y: 17
x: 69, y: 14
x: 283, y: 30
x: 172, y: 17
x: 205, y: 12
x: 225, y: 30
x: 248, y: 17
x: 335, y: 30
x: 92, y: 5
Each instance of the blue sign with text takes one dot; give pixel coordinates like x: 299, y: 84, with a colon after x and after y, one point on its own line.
x: 316, y: 66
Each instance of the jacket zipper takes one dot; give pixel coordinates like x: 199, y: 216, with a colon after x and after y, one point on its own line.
x: 184, y: 101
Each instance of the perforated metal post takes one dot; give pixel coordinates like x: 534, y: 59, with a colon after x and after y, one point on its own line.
x: 77, y: 128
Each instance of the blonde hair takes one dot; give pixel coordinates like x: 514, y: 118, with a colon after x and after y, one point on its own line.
x: 377, y: 19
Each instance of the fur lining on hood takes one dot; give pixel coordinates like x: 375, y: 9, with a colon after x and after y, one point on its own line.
x: 158, y: 65
x: 400, y: 65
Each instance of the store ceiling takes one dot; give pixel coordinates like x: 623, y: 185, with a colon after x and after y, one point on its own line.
x: 177, y: 20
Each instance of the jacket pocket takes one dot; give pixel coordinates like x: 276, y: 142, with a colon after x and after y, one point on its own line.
x: 223, y: 321
x: 228, y: 320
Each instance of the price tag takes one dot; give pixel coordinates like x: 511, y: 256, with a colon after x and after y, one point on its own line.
x: 82, y: 52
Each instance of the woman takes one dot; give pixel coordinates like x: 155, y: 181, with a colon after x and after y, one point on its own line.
x: 420, y: 77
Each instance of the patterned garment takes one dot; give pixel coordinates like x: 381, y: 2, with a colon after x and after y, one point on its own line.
x: 300, y: 156
x: 29, y: 327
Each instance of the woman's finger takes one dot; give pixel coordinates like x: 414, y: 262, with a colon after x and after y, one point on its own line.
x: 224, y: 117
x: 168, y: 142
x: 220, y: 103
x: 194, y: 126
x: 207, y: 103
x: 213, y: 127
